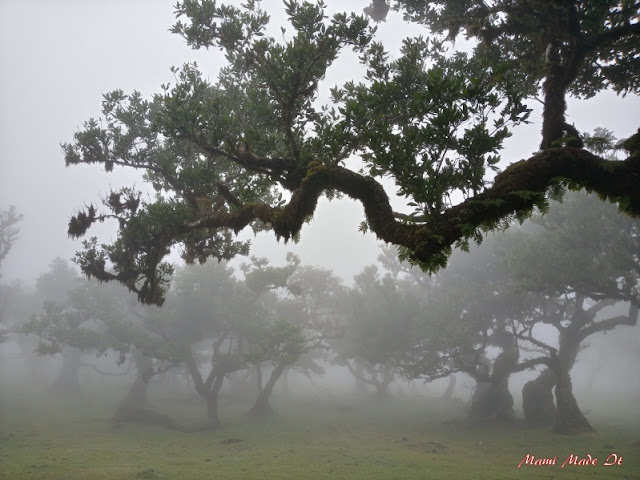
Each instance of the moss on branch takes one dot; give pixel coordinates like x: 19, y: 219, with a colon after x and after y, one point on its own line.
x: 614, y: 180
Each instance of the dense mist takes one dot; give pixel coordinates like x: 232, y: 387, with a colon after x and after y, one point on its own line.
x: 271, y: 240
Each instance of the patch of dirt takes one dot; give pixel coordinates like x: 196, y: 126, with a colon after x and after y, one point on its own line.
x: 228, y: 441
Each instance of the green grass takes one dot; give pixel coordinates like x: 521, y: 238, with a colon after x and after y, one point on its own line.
x: 311, y: 438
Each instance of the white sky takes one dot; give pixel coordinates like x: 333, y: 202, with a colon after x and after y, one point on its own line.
x: 58, y: 58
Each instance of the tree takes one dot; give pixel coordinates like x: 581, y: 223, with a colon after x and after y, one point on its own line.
x: 274, y: 333
x: 582, y: 258
x: 255, y: 149
x: 202, y: 324
x: 8, y: 236
x: 379, y: 312
x: 16, y: 306
x: 53, y: 288
x: 8, y: 230
x: 468, y: 325
x: 100, y: 319
x: 291, y: 325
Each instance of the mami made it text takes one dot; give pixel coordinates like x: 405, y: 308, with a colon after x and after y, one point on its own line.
x: 612, y: 459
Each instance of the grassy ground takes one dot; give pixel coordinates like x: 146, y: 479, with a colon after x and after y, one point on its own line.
x: 311, y: 438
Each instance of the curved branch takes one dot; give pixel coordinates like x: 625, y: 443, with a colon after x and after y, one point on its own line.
x: 534, y: 362
x: 612, y: 35
x: 552, y: 351
x: 518, y: 189
x: 609, y: 324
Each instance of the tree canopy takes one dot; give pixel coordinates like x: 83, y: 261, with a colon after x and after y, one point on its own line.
x: 257, y: 147
x: 8, y: 230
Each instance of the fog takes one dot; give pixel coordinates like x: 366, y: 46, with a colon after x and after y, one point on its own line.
x: 58, y: 61
x: 329, y: 338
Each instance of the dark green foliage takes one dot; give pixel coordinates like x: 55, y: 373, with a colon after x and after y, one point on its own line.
x: 596, y: 42
x: 434, y: 129
x: 258, y: 148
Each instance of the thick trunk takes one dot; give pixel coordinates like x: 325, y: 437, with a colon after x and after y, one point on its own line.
x: 382, y: 387
x: 284, y: 384
x: 68, y: 381
x: 492, y: 401
x: 555, y: 105
x: 259, y: 378
x: 211, y: 396
x: 262, y: 407
x: 536, y: 395
x: 537, y: 398
x: 569, y: 418
x: 137, y: 395
x: 378, y: 376
x: 358, y: 373
x: 448, y: 393
x: 135, y: 407
x: 212, y: 409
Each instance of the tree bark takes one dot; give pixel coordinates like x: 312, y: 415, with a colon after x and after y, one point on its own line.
x: 448, y: 393
x: 212, y: 396
x: 284, y: 384
x: 555, y: 105
x: 68, y: 382
x: 537, y: 398
x: 135, y: 407
x: 536, y: 395
x: 137, y: 395
x: 379, y: 378
x: 212, y: 410
x: 569, y: 418
x: 492, y: 401
x: 208, y: 389
x: 262, y: 407
x: 382, y: 385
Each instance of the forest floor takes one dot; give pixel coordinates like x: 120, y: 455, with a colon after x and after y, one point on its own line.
x: 312, y: 437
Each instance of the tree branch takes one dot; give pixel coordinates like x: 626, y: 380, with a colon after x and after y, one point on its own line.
x: 605, y: 325
x: 517, y: 189
x: 534, y: 362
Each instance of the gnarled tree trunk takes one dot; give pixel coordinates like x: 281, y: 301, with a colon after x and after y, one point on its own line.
x: 135, y: 407
x: 67, y: 381
x: 492, y: 398
x: 569, y: 418
x: 537, y: 398
x: 137, y: 395
x: 448, y: 393
x: 262, y: 407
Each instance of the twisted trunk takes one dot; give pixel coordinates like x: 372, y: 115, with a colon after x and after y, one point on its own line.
x: 137, y: 395
x: 448, y: 393
x: 262, y: 407
x: 536, y: 395
x: 68, y: 382
x: 135, y: 407
x: 537, y: 398
x: 569, y: 417
x: 492, y: 400
x: 367, y: 374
